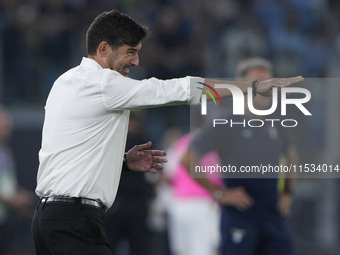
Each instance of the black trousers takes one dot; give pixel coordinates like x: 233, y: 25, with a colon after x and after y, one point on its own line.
x: 61, y: 228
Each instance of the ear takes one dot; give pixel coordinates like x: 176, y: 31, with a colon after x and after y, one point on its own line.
x: 103, y: 49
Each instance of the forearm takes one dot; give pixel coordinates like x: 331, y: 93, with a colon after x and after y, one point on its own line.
x: 223, y: 92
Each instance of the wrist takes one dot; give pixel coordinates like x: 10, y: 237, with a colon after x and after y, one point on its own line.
x: 254, y: 87
x: 218, y: 194
x: 125, y: 164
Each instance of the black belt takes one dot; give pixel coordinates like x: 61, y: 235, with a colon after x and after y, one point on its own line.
x: 74, y: 200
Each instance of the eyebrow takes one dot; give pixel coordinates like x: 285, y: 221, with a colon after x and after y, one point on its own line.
x: 131, y: 49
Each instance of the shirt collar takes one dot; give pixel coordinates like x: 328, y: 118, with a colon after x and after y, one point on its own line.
x: 90, y: 63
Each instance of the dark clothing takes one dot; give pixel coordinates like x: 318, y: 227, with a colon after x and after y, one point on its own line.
x: 128, y: 221
x: 265, y: 235
x: 61, y: 228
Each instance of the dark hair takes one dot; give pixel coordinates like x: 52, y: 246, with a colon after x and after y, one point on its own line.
x: 116, y: 29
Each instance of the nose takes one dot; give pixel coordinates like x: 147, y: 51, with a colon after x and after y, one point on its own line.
x: 135, y: 60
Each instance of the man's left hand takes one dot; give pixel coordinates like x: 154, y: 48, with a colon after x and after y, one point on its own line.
x: 140, y: 159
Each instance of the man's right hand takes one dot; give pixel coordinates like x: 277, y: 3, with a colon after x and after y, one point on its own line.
x: 264, y: 88
x: 237, y: 197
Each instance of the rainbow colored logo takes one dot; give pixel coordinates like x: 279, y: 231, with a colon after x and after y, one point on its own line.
x: 209, y: 93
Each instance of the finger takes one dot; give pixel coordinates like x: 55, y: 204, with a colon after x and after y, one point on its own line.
x: 155, y: 167
x: 245, y: 204
x: 158, y: 166
x: 241, y: 207
x: 244, y: 196
x: 296, y: 79
x: 152, y: 170
x: 158, y: 153
x: 160, y: 160
x: 250, y: 200
x: 247, y: 200
x: 289, y: 81
x: 144, y: 146
x: 248, y: 204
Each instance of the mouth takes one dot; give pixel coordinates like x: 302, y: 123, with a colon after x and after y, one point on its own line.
x: 126, y: 70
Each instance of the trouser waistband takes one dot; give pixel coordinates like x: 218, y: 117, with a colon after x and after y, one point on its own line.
x: 73, y: 200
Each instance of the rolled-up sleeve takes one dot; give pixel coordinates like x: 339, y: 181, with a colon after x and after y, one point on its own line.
x: 121, y: 92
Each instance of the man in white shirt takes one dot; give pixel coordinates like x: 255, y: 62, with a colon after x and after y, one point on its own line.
x: 85, y: 129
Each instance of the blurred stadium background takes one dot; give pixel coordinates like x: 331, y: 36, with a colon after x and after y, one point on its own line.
x: 40, y: 39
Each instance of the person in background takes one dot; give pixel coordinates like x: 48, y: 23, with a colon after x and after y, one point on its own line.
x: 193, y: 213
x: 254, y: 211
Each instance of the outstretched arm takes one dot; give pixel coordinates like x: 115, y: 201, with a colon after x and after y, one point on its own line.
x: 140, y: 159
x: 263, y: 88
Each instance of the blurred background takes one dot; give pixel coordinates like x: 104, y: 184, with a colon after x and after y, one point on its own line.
x: 41, y: 39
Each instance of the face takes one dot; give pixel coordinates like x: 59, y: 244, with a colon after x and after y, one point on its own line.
x: 258, y: 73
x: 123, y: 59
x: 259, y: 102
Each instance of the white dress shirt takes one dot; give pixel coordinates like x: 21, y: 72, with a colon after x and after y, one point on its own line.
x: 86, y: 123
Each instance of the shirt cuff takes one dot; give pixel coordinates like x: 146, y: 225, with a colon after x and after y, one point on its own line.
x: 194, y: 92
